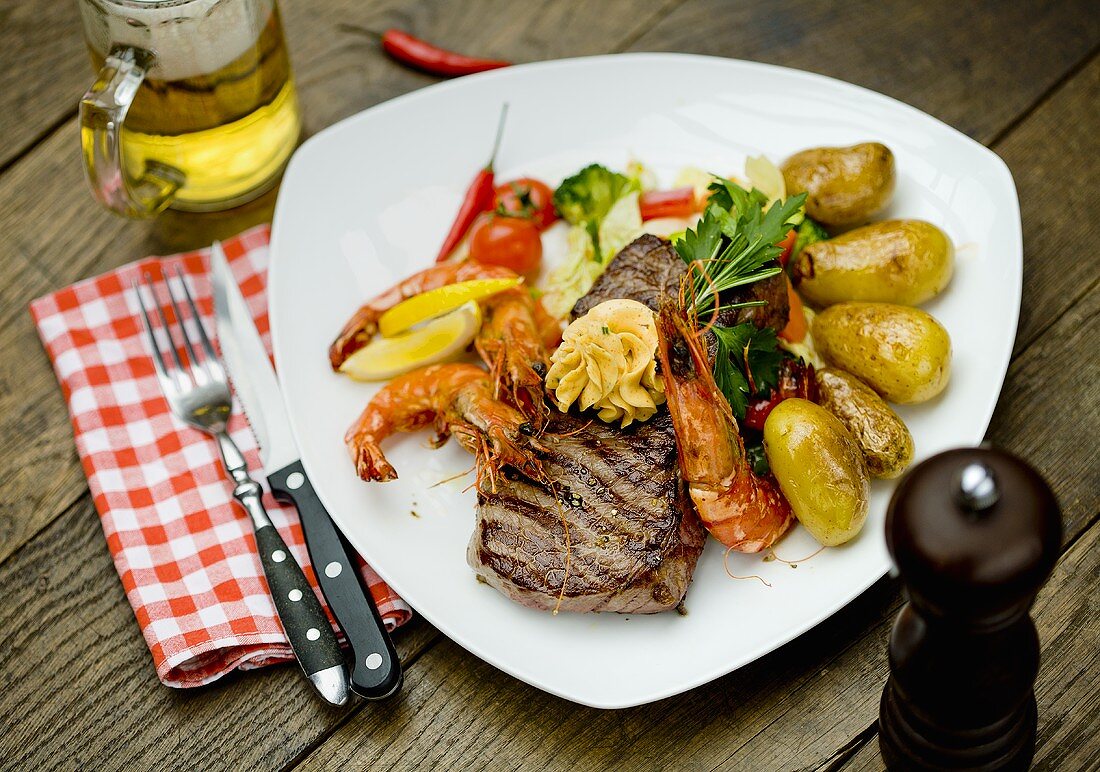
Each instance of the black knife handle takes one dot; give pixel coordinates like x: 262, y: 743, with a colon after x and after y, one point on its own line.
x: 304, y: 620
x: 376, y: 670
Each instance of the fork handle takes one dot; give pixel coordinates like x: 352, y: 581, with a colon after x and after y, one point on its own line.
x: 306, y: 625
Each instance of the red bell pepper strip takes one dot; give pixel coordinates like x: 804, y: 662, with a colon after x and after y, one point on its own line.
x: 480, y: 197
x: 422, y: 55
x: 787, y: 244
x: 796, y: 329
x: 679, y: 202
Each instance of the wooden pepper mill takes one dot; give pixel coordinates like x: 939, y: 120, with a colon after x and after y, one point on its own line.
x: 974, y: 533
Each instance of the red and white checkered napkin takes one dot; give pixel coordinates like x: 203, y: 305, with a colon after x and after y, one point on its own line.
x: 185, y: 553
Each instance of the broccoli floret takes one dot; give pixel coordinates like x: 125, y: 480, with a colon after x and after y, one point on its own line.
x: 809, y: 231
x: 585, y: 198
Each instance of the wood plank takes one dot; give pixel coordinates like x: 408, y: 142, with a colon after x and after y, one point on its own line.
x: 460, y: 713
x: 78, y: 682
x: 1053, y: 155
x: 1068, y: 688
x: 87, y: 243
x: 977, y: 66
x: 46, y: 69
x: 58, y: 236
x: 791, y: 709
x: 55, y: 234
x: 47, y: 66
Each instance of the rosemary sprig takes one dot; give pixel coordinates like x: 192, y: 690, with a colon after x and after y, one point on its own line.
x: 734, y: 242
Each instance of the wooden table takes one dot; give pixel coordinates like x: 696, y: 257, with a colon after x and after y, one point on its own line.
x: 79, y: 689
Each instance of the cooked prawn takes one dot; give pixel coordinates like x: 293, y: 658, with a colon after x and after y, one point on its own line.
x: 364, y: 323
x: 511, y: 344
x: 456, y: 399
x: 513, y: 340
x: 745, y: 512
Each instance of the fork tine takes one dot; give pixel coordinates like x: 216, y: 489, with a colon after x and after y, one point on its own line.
x: 166, y: 383
x: 164, y: 324
x: 197, y: 370
x: 206, y: 345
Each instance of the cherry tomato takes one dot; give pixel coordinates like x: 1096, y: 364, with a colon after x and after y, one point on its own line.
x: 512, y: 242
x: 527, y: 197
x: 787, y: 244
x: 757, y: 411
x: 679, y: 202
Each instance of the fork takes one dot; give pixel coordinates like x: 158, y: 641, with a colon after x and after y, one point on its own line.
x: 198, y: 394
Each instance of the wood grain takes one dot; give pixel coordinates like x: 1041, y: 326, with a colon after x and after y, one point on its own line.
x: 1050, y: 155
x: 65, y: 620
x: 978, y: 65
x: 56, y: 234
x: 790, y: 710
x: 833, y: 696
x: 79, y: 687
x: 45, y: 70
x: 1068, y: 700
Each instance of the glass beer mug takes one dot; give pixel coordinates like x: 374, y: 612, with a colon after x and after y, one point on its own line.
x: 194, y: 106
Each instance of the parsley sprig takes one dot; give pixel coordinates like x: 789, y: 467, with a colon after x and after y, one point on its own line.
x: 747, y: 363
x: 734, y: 242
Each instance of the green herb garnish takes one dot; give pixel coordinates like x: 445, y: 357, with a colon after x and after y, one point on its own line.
x: 734, y: 242
x: 746, y: 363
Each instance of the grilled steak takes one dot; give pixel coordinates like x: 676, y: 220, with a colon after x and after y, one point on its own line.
x: 648, y: 269
x: 633, y: 534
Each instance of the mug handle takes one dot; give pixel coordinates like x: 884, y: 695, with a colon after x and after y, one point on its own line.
x: 102, y: 112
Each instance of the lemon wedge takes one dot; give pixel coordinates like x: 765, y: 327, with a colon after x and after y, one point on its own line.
x: 434, y: 341
x: 432, y: 303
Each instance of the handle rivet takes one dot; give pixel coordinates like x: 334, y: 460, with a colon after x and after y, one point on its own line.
x: 295, y: 595
x: 295, y: 480
x: 313, y: 633
x: 374, y: 661
x: 333, y: 569
x: 278, y: 556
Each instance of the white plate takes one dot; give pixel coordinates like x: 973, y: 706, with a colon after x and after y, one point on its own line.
x: 367, y: 201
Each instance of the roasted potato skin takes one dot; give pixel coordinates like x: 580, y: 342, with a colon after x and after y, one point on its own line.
x: 819, y: 468
x: 896, y: 261
x: 902, y: 353
x: 883, y: 438
x: 844, y: 186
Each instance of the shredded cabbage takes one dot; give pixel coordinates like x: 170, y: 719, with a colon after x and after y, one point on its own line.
x: 580, y: 269
x: 642, y: 174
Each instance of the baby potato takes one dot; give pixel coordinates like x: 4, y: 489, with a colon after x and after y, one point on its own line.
x: 819, y: 468
x: 843, y: 185
x: 902, y: 353
x: 883, y: 438
x: 897, y: 261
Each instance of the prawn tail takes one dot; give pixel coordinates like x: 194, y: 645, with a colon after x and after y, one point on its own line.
x: 370, y: 462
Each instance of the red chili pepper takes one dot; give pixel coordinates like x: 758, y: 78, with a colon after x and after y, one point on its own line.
x: 422, y: 55
x: 667, y: 203
x: 480, y: 197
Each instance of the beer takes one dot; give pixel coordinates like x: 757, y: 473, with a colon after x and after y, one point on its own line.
x: 217, y: 103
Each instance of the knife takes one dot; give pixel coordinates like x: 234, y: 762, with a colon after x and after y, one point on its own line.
x: 376, y: 670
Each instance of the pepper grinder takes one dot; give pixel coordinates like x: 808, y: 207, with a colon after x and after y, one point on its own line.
x: 974, y: 534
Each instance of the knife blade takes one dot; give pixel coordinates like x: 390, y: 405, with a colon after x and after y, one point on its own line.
x: 376, y: 670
